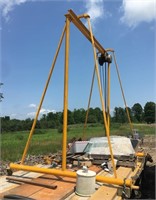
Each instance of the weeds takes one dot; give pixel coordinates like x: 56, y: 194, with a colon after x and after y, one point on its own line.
x: 49, y: 140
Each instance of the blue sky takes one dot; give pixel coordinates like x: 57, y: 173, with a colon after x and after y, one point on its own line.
x: 30, y: 32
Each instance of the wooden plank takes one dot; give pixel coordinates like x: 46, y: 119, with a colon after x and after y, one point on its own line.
x: 65, y: 187
x: 24, y: 190
x: 109, y: 192
x: 124, y: 172
x: 5, y: 185
x: 76, y: 197
x: 104, y: 193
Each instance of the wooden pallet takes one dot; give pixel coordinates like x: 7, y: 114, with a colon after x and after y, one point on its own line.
x: 66, y: 186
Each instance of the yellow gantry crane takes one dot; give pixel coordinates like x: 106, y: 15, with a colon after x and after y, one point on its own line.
x: 104, y: 57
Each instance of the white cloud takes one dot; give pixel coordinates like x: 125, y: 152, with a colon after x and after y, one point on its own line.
x: 45, y: 111
x: 8, y: 5
x: 31, y: 114
x: 137, y: 11
x: 32, y: 105
x: 42, y: 111
x: 95, y: 9
x: 13, y: 115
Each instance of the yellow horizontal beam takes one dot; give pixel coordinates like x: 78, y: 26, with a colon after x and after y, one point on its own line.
x: 77, y: 22
x: 65, y: 173
x: 140, y: 154
x: 56, y: 172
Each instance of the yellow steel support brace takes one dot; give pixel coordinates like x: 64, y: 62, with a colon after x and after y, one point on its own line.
x: 102, y: 101
x: 75, y: 20
x: 108, y: 97
x: 57, y: 172
x: 90, y: 95
x: 65, y: 112
x: 129, y: 119
x: 42, y: 98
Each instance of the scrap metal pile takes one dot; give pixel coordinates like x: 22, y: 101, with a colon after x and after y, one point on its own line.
x: 96, y: 151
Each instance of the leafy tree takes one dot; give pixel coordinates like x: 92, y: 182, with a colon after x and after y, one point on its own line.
x: 92, y: 118
x: 27, y: 124
x: 149, y: 112
x: 77, y: 116
x: 6, y: 118
x: 1, y: 94
x: 51, y: 119
x: 50, y: 116
x: 98, y: 114
x: 70, y: 117
x: 137, y: 111
x: 130, y: 114
x: 55, y: 120
x: 83, y: 115
x: 119, y: 115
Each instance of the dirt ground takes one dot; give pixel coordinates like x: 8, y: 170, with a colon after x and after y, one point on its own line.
x: 148, y: 178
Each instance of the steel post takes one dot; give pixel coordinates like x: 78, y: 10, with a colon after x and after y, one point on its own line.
x: 108, y: 97
x: 42, y: 98
x: 65, y: 112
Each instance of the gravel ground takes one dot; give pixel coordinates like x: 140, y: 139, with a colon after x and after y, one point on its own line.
x: 32, y: 160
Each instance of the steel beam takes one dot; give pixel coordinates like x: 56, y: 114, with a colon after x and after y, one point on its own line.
x: 77, y: 22
x: 57, y: 172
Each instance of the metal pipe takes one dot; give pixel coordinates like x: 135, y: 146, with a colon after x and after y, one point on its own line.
x: 77, y: 22
x: 31, y: 182
x: 43, y: 170
x: 83, y: 16
x: 108, y: 97
x: 122, y: 91
x: 102, y: 101
x: 116, y: 181
x: 90, y: 95
x: 65, y: 112
x: 140, y: 154
x: 42, y: 98
x: 57, y: 172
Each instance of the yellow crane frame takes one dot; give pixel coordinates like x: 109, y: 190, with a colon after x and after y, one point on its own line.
x: 72, y: 17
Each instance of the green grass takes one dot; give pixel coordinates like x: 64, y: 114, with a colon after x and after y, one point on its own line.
x: 50, y: 141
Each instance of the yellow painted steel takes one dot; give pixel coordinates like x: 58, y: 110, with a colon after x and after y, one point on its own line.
x: 85, y: 124
x: 108, y: 97
x: 116, y: 181
x: 77, y: 22
x: 42, y: 98
x: 83, y: 16
x: 102, y: 100
x: 140, y: 154
x: 43, y: 170
x: 129, y: 119
x: 57, y: 172
x: 96, y: 45
x: 65, y: 112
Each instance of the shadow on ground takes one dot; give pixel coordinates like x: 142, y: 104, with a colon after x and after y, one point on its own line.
x: 148, y: 183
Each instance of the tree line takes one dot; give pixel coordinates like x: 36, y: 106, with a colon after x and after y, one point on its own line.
x: 137, y: 113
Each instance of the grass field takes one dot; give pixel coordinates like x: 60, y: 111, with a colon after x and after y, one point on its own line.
x: 50, y: 141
